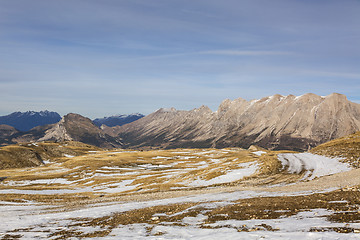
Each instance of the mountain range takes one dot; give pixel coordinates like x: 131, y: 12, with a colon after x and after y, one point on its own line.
x: 72, y: 127
x: 274, y: 122
x: 117, y: 120
x: 24, y: 121
x: 49, y: 126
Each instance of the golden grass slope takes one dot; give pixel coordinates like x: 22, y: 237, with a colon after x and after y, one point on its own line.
x: 347, y: 147
x: 167, y: 188
x: 34, y: 154
x: 123, y: 172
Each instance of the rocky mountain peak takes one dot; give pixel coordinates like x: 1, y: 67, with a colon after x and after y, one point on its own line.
x: 276, y: 122
x: 74, y: 127
x: 203, y: 109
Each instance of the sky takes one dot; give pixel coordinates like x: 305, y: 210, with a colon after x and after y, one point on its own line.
x: 102, y: 58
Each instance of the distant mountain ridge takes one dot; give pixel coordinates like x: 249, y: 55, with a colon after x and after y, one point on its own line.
x: 72, y: 127
x: 117, y: 120
x: 24, y: 121
x: 274, y: 122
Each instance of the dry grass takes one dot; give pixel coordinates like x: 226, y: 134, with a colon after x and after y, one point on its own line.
x: 95, y: 175
x: 346, y: 147
x: 93, y: 172
x: 34, y: 154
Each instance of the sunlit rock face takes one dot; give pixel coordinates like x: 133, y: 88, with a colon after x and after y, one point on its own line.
x: 74, y: 127
x: 274, y: 122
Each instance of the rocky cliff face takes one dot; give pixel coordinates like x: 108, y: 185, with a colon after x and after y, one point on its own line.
x: 275, y: 122
x: 74, y: 127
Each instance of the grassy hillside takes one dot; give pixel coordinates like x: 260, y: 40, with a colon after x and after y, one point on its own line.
x: 347, y: 147
x: 34, y: 154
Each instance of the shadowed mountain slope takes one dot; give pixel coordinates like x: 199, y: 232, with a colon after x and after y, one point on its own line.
x: 6, y: 133
x: 117, y: 120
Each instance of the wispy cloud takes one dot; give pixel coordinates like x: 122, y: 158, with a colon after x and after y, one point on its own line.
x: 333, y: 74
x: 218, y: 53
x: 245, y: 53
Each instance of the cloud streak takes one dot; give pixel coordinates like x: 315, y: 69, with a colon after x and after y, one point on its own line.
x: 245, y: 53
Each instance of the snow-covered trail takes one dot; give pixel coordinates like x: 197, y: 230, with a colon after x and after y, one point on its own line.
x: 313, y: 165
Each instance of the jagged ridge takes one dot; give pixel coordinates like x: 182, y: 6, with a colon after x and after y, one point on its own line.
x: 24, y: 121
x: 275, y: 122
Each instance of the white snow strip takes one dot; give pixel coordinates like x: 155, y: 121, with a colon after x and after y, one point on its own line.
x: 68, y: 156
x: 298, y: 97
x: 160, y: 157
x: 259, y: 153
x: 151, y: 166
x: 247, y: 169
x: 138, y: 231
x: 117, y: 187
x: 37, y: 181
x: 313, y: 165
x: 113, y: 168
x: 186, y: 157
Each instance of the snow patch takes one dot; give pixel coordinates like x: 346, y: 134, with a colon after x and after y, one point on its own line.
x: 259, y: 153
x: 247, y: 169
x: 159, y: 157
x: 298, y: 97
x: 313, y: 165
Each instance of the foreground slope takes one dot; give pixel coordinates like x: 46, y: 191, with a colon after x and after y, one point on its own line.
x: 182, y: 194
x: 36, y: 154
x: 347, y: 147
x: 275, y: 122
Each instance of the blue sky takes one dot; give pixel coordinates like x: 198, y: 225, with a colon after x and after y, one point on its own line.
x: 100, y: 58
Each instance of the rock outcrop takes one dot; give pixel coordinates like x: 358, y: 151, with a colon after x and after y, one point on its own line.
x: 74, y: 127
